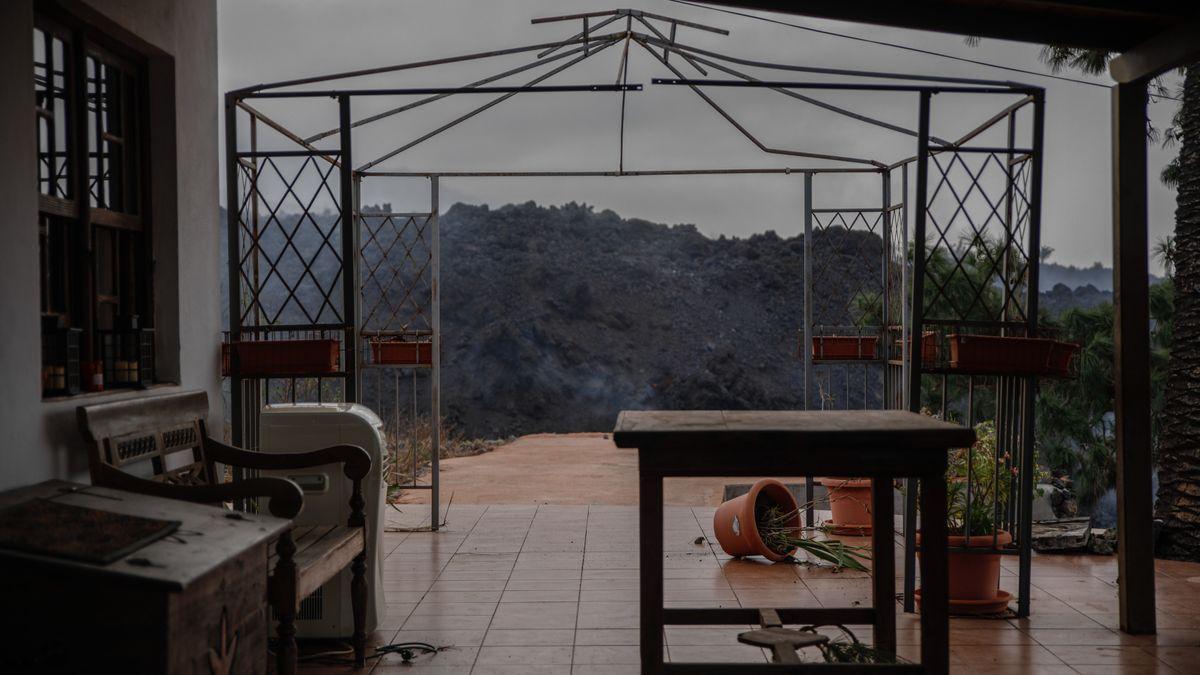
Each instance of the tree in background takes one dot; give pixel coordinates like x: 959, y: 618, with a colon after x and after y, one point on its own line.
x: 1075, y: 422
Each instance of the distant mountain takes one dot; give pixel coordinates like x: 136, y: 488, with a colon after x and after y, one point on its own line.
x: 1053, y: 274
x: 1061, y: 298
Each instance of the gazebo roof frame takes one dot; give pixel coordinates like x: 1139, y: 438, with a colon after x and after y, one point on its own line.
x: 586, y: 43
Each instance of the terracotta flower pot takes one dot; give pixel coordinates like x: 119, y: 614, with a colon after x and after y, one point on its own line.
x: 929, y: 348
x: 844, y: 347
x: 1061, y: 356
x: 975, y: 577
x: 1004, y: 355
x: 736, y: 521
x: 263, y: 358
x: 400, y: 352
x: 850, y: 501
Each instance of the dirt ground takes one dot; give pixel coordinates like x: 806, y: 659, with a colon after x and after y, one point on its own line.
x: 581, y: 468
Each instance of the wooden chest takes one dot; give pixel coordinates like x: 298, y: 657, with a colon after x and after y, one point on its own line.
x: 190, y: 604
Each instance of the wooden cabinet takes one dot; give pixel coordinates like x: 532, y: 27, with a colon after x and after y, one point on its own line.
x: 192, y: 603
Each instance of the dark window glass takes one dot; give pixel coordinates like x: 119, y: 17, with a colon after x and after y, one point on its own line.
x: 50, y: 55
x: 94, y: 239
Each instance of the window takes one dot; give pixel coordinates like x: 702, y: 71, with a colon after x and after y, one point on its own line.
x: 95, y: 255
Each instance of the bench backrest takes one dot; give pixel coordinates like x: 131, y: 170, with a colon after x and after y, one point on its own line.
x: 162, y: 430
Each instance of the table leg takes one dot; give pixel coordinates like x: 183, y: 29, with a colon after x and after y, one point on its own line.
x: 910, y: 543
x: 935, y: 577
x: 883, y: 563
x: 650, y: 534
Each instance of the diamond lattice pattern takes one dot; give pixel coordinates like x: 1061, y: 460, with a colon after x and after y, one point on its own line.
x: 976, y: 247
x: 396, y: 271
x: 847, y: 270
x: 290, y: 236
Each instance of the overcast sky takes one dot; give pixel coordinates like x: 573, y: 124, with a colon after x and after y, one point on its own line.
x: 665, y: 127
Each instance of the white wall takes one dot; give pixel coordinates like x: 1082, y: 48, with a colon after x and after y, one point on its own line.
x: 39, y: 440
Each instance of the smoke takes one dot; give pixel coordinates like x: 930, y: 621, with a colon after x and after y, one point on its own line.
x: 1104, y: 511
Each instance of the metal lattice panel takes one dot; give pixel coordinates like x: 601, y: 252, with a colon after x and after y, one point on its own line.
x: 396, y: 282
x: 977, y: 263
x: 289, y: 237
x: 848, y: 238
x: 899, y: 266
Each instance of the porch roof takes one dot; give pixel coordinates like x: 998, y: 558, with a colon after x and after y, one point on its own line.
x: 1112, y: 25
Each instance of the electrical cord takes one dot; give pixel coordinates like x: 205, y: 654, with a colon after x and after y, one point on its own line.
x: 340, y: 657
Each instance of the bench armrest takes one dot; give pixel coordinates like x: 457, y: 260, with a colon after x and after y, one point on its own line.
x: 286, y: 498
x: 355, y: 460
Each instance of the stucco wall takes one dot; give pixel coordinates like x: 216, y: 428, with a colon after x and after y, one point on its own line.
x: 39, y: 439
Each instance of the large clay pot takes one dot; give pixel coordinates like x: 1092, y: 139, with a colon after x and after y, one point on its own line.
x: 975, y: 577
x: 736, y: 522
x: 850, y: 501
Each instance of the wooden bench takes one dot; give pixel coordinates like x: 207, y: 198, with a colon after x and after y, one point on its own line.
x: 169, y: 434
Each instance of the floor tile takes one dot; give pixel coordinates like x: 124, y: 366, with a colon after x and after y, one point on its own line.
x: 535, y: 615
x: 1077, y: 656
x: 510, y: 637
x: 525, y: 654
x: 609, y: 655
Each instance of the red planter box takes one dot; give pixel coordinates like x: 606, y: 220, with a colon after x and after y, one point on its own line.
x: 1001, y: 355
x: 1061, y: 356
x: 402, y: 353
x: 280, y: 357
x: 929, y: 349
x: 845, y: 347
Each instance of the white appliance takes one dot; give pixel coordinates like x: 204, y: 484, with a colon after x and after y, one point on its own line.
x: 304, y: 427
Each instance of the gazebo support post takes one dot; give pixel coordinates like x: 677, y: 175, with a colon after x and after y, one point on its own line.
x: 1131, y: 367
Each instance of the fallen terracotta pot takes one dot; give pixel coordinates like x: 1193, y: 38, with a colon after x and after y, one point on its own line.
x: 736, y: 521
x: 850, y: 501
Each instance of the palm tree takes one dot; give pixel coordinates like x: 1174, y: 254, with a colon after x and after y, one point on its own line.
x: 1164, y: 251
x: 1179, y: 449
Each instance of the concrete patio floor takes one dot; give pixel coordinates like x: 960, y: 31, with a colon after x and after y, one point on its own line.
x: 582, y: 468
x: 549, y: 589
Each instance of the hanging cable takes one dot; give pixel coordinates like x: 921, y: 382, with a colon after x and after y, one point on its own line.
x: 915, y: 50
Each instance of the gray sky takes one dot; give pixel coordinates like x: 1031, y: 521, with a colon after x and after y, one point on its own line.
x: 271, y: 40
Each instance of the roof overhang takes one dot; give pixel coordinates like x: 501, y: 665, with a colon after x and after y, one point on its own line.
x: 1112, y: 25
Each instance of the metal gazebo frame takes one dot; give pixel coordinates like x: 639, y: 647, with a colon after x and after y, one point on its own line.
x: 902, y: 276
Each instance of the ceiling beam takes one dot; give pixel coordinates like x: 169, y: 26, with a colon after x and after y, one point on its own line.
x: 1175, y: 47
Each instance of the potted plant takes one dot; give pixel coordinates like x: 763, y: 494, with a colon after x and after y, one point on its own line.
x: 766, y: 521
x: 850, y: 502
x: 971, y: 524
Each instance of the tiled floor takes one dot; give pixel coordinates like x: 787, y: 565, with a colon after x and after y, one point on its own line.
x: 531, y: 590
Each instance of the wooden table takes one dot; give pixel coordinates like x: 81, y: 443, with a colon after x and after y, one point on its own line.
x: 193, y: 602
x: 881, y: 445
